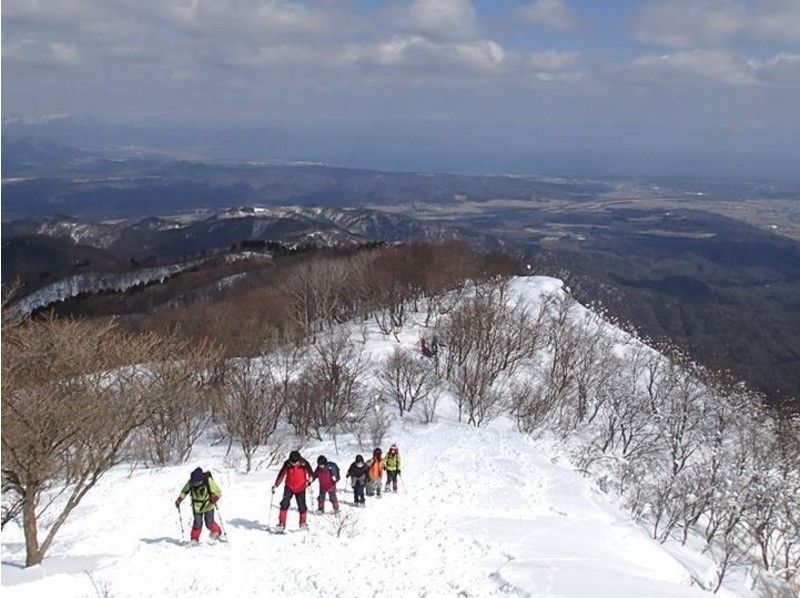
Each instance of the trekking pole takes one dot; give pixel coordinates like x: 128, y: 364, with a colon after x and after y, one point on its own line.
x: 221, y: 526
x: 180, y: 520
x: 271, y: 502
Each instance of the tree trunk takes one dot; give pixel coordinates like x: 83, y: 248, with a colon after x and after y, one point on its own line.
x: 33, y: 556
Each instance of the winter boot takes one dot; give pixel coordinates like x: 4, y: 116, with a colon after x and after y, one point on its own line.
x: 282, y: 517
x: 195, y: 535
x: 280, y: 529
x: 303, y: 524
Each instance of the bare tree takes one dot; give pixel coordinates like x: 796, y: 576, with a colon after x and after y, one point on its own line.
x: 486, y: 338
x: 178, y: 383
x: 70, y: 403
x: 249, y: 405
x: 406, y: 379
x: 430, y: 403
x: 330, y: 387
x: 378, y: 422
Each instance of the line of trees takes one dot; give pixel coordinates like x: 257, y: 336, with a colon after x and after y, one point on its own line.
x: 693, y: 456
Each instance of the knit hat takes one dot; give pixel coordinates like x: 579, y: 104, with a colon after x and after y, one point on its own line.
x: 359, y: 459
x: 321, y: 460
x: 377, y: 452
x: 294, y: 456
x: 197, y: 477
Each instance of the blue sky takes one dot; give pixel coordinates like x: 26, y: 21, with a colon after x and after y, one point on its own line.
x: 451, y: 84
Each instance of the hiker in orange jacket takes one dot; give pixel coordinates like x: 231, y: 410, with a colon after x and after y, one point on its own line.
x: 375, y: 473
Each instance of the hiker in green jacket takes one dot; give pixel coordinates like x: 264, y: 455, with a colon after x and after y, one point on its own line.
x: 205, y: 494
x: 392, y: 463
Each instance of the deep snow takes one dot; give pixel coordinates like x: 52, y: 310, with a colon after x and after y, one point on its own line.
x: 480, y: 512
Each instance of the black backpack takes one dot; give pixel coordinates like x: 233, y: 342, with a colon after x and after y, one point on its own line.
x: 334, y: 469
x: 202, y: 501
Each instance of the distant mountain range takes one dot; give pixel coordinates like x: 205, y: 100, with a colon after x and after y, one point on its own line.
x: 38, y: 251
x: 45, y: 179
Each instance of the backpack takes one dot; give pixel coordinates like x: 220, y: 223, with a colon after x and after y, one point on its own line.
x: 207, y: 475
x: 334, y: 470
x: 375, y: 471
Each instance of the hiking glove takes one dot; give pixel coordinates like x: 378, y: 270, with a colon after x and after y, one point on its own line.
x: 214, y: 499
x: 178, y: 503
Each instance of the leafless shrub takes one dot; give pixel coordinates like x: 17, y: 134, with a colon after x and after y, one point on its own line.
x: 102, y: 589
x: 378, y: 422
x: 179, y: 383
x: 344, y: 524
x: 487, y: 337
x: 330, y: 389
x: 249, y: 405
x: 429, y: 405
x: 406, y: 379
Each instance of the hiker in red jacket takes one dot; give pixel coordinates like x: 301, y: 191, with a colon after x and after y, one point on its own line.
x: 298, y: 474
x: 327, y: 472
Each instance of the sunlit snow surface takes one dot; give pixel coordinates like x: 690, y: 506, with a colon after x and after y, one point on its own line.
x: 480, y: 512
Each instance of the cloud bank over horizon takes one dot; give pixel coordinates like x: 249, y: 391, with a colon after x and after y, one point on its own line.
x: 463, y: 76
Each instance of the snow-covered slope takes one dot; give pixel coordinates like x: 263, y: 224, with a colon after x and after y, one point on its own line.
x: 480, y: 512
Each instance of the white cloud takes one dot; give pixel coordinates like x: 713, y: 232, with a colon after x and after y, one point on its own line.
x: 555, y: 14
x: 701, y: 66
x: 419, y: 54
x: 698, y: 23
x: 714, y: 66
x: 66, y: 54
x: 782, y: 68
x: 553, y: 60
x: 440, y: 20
x: 277, y: 17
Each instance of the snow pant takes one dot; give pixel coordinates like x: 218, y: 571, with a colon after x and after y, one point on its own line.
x: 374, y: 487
x: 391, y: 479
x: 300, y: 497
x: 358, y: 493
x: 197, y: 525
x: 332, y: 495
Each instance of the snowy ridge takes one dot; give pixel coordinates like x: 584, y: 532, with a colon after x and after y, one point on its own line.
x: 97, y: 282
x: 480, y: 512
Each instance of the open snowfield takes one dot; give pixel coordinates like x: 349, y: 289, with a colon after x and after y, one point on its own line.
x: 480, y: 512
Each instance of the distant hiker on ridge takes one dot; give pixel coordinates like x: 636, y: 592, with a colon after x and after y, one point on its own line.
x: 205, y: 494
x: 298, y: 474
x: 423, y: 346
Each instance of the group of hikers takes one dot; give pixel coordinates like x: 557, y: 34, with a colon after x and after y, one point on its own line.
x: 296, y: 475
